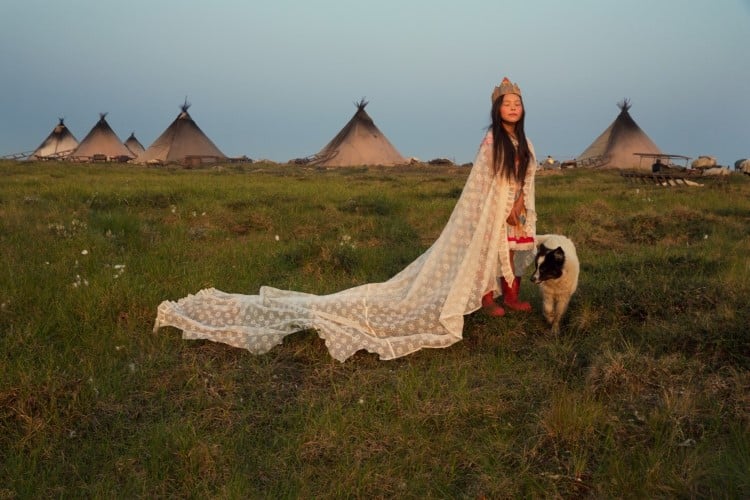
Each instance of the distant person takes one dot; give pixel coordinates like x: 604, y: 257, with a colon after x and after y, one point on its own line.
x: 656, y: 167
x: 491, y: 228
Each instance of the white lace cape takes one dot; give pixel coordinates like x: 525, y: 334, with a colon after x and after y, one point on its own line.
x: 422, y: 306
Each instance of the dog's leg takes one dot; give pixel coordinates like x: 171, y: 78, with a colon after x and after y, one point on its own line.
x: 548, y: 306
x: 561, y: 305
x: 555, y: 328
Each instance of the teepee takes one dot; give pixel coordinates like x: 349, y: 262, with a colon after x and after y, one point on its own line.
x: 102, y: 144
x: 360, y: 142
x: 616, y: 146
x: 134, y: 145
x: 58, y: 144
x: 182, y: 142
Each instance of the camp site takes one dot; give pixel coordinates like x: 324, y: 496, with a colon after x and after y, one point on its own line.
x: 649, y: 373
x: 298, y: 250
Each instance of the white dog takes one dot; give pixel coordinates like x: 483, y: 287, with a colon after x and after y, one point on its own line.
x: 556, y: 273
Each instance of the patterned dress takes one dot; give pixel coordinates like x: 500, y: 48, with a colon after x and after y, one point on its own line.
x: 519, y: 237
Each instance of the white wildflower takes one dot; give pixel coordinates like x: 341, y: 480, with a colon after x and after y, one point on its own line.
x: 80, y: 281
x: 173, y: 208
x: 84, y: 252
x: 705, y: 236
x: 58, y: 229
x: 276, y: 237
x: 346, y: 240
x: 119, y: 269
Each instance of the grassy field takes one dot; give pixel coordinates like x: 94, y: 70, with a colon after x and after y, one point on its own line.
x: 646, y: 393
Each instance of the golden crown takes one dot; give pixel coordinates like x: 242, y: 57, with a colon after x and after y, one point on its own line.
x: 505, y: 87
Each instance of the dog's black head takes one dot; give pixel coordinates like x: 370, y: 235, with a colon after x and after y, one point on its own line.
x: 549, y: 264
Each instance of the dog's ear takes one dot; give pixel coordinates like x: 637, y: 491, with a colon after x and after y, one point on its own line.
x: 542, y: 249
x: 559, y: 254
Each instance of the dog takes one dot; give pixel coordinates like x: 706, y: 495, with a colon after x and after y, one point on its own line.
x: 556, y: 273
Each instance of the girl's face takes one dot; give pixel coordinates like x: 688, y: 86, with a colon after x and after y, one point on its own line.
x: 511, y: 109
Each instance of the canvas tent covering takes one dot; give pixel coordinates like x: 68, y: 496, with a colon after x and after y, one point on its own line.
x: 617, y: 145
x: 360, y: 142
x: 102, y: 144
x: 58, y: 144
x: 134, y: 144
x: 182, y: 142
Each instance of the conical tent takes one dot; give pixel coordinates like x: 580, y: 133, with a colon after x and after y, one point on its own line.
x: 58, y: 144
x: 182, y: 142
x: 360, y: 142
x: 102, y: 144
x: 134, y: 144
x: 617, y: 145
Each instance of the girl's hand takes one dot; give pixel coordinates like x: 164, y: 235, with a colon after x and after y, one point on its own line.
x: 514, y: 217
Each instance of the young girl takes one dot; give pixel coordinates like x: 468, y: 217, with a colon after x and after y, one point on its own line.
x: 515, y: 165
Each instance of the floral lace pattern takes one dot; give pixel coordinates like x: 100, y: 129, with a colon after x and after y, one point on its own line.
x: 420, y: 307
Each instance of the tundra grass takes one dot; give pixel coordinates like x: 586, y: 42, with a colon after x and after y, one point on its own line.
x: 644, y: 394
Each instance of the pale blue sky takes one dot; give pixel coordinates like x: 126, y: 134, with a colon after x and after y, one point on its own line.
x: 277, y: 79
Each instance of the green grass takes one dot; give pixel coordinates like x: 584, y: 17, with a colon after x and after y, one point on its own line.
x: 646, y: 393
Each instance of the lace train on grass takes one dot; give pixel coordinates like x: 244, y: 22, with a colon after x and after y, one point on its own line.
x: 422, y: 306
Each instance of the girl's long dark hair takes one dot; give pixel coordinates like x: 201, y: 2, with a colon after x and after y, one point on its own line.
x: 503, y: 152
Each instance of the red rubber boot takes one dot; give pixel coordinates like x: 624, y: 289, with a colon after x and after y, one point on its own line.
x: 510, y: 295
x: 490, y: 306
